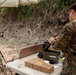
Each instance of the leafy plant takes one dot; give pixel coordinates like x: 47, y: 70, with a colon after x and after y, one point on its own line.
x: 44, y: 8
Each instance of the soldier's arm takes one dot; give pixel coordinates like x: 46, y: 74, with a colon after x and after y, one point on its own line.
x: 64, y: 39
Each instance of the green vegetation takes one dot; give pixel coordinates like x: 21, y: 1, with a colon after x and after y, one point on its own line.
x: 41, y: 9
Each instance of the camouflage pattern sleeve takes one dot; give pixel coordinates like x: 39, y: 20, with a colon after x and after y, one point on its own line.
x: 65, y: 38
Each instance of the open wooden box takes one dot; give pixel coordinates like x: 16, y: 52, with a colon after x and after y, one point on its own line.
x: 30, y: 50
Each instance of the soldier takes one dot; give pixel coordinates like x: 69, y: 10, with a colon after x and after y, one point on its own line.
x: 66, y: 42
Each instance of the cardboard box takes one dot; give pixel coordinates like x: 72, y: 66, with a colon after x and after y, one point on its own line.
x: 37, y: 65
x: 29, y: 63
x: 47, y: 68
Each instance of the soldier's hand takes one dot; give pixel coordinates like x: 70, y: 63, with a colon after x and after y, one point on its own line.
x: 51, y: 39
x: 57, y: 37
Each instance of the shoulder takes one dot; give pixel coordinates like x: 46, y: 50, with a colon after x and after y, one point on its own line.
x: 69, y: 25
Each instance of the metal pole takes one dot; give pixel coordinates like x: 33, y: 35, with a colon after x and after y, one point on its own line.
x: 5, y: 61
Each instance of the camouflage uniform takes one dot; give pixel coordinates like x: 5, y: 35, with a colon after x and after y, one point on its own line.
x: 67, y: 43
